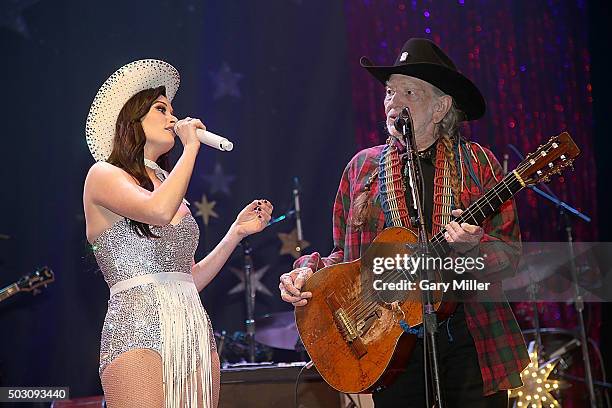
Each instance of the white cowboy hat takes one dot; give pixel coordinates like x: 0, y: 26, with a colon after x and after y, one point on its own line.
x: 126, y: 82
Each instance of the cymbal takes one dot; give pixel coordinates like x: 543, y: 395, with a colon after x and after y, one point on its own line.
x: 277, y: 330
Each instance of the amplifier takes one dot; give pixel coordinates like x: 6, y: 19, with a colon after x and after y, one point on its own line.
x: 272, y: 386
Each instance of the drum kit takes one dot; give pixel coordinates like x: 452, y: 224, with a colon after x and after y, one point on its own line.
x: 276, y: 330
x: 557, y: 348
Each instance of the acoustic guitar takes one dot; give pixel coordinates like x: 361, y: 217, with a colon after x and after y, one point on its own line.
x: 354, y: 336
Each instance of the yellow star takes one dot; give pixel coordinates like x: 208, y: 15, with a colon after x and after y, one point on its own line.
x: 537, y: 388
x: 205, y: 209
x: 290, y: 244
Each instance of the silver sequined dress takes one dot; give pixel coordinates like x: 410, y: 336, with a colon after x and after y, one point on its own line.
x: 154, y: 303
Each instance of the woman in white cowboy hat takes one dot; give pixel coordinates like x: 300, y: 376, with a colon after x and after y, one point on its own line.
x: 157, y: 347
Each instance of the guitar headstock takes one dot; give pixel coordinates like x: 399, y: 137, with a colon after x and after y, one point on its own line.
x: 550, y: 159
x: 41, y: 277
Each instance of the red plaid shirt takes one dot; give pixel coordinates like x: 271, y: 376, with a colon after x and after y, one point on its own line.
x: 502, y: 354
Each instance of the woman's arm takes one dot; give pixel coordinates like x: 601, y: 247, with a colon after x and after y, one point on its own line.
x: 112, y: 188
x: 253, y: 218
x: 204, y: 271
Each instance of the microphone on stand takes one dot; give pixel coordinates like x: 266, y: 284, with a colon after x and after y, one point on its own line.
x: 566, y: 348
x: 298, y: 217
x: 403, y: 123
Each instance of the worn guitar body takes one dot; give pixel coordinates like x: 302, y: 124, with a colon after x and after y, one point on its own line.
x: 352, y: 333
x: 380, y: 348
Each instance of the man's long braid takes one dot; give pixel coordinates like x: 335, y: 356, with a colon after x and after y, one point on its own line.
x: 449, y: 153
x: 361, y: 205
x: 448, y: 132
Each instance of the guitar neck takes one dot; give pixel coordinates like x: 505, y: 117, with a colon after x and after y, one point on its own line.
x: 481, y: 209
x: 8, y: 291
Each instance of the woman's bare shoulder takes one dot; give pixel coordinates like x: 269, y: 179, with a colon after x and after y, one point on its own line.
x: 102, y: 171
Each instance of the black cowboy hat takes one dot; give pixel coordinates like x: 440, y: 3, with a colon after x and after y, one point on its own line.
x: 421, y: 58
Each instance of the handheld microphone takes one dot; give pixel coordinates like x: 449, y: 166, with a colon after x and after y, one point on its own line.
x: 213, y: 140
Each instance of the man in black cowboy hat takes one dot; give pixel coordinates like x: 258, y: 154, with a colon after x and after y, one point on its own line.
x: 481, y: 348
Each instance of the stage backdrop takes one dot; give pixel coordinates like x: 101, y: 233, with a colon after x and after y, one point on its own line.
x: 281, y: 79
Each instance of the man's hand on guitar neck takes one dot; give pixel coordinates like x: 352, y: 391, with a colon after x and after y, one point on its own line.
x: 291, y: 284
x: 464, y: 237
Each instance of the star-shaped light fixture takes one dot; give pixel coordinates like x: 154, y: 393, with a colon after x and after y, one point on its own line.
x: 290, y: 244
x: 205, y: 209
x: 218, y: 180
x: 225, y: 82
x: 11, y: 16
x: 255, y: 280
x: 537, y: 387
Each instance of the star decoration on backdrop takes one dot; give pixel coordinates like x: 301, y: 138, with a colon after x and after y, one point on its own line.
x: 290, y: 243
x: 218, y: 180
x: 225, y: 82
x: 537, y: 388
x: 256, y: 276
x: 12, y: 18
x: 206, y: 209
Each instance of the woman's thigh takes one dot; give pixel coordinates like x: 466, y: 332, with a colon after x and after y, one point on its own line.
x: 134, y: 379
x: 216, y: 380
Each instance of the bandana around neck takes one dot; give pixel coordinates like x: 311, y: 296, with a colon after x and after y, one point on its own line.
x: 159, y: 172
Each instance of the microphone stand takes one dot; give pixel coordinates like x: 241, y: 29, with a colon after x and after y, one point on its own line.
x: 564, y: 209
x: 430, y: 319
x: 249, y: 288
x: 249, y: 294
x: 298, y: 215
x: 579, y: 305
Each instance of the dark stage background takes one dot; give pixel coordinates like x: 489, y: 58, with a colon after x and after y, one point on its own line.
x: 281, y: 79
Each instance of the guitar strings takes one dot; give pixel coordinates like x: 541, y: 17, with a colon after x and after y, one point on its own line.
x: 509, y: 181
x: 365, y: 305
x: 359, y: 307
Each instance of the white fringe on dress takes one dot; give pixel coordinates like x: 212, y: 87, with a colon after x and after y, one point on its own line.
x: 185, y: 338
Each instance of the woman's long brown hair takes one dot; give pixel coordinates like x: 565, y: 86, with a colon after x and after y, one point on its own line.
x: 129, y: 142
